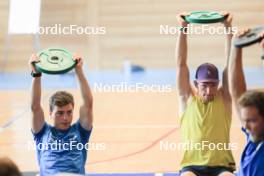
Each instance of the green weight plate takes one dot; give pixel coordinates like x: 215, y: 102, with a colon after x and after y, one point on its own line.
x: 55, y: 61
x: 253, y: 36
x: 204, y: 17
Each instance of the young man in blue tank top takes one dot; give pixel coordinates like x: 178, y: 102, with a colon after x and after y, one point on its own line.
x: 250, y: 110
x: 61, y: 147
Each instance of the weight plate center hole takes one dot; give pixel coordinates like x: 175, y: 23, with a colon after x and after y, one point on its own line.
x: 54, y: 58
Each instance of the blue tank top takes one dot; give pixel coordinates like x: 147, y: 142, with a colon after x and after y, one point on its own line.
x: 62, y: 151
x: 252, y: 159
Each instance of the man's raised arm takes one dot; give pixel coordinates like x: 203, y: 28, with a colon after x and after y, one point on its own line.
x: 237, y: 83
x: 86, y: 110
x: 182, y: 72
x: 38, y: 119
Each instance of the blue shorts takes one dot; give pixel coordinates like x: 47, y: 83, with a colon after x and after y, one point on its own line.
x: 206, y: 170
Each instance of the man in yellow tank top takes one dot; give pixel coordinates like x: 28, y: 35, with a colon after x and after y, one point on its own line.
x: 205, y: 112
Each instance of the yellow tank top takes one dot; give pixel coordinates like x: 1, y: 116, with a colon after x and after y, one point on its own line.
x: 208, y: 126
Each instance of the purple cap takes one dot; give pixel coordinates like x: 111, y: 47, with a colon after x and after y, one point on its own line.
x: 207, y: 73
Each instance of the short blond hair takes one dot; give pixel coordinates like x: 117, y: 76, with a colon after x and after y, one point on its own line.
x: 253, y: 99
x: 60, y: 99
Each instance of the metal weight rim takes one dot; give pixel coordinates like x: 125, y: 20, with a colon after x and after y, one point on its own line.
x: 250, y: 38
x: 205, y: 17
x: 50, y: 59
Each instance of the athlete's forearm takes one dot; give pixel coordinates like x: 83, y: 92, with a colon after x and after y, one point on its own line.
x: 36, y: 93
x: 225, y: 71
x: 181, y: 50
x: 237, y: 84
x: 85, y: 88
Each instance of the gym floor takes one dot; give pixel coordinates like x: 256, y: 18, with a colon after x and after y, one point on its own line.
x: 132, y: 132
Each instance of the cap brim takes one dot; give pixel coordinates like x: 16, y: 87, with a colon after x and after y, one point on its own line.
x: 207, y: 80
